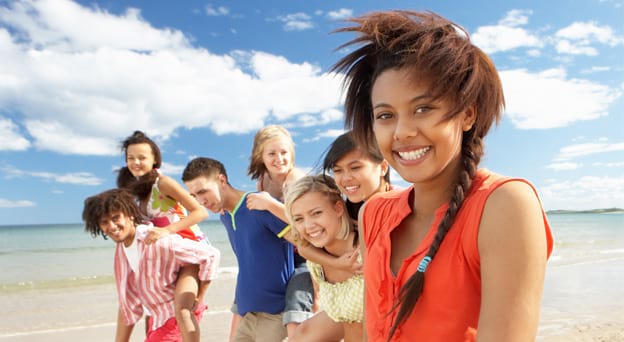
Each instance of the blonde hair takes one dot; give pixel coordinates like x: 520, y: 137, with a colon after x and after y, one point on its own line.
x: 256, y: 165
x: 324, y: 185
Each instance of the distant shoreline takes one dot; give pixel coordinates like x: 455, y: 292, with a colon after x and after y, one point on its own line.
x: 592, y: 211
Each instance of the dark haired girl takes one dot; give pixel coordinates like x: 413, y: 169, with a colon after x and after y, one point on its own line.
x: 461, y: 253
x: 172, y: 210
x: 359, y: 171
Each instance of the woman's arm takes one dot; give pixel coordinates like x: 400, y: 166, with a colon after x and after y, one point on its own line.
x: 264, y: 201
x: 196, y: 213
x: 513, y: 251
x: 346, y: 263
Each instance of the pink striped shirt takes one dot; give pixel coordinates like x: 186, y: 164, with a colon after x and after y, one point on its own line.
x: 153, y: 286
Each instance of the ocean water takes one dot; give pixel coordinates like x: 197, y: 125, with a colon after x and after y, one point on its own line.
x: 586, y: 238
x: 65, y: 256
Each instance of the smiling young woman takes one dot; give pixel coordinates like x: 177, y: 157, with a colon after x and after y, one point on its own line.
x: 463, y: 250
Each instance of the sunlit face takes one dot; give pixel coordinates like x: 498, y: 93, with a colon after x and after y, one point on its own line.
x: 411, y: 131
x: 357, y: 176
x: 207, y: 192
x: 118, y: 227
x: 317, y: 219
x: 276, y: 155
x: 139, y: 159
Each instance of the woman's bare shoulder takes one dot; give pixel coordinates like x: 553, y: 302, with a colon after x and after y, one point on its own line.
x: 294, y: 175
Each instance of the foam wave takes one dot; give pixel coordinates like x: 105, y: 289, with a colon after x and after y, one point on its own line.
x: 47, y: 250
x: 56, y: 283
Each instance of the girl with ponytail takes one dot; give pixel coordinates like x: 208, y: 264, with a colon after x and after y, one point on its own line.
x: 460, y: 254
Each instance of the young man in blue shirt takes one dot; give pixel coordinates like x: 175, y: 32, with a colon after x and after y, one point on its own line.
x: 260, y: 241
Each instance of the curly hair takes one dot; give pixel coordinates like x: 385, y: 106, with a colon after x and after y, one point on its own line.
x: 106, y: 203
x: 427, y: 47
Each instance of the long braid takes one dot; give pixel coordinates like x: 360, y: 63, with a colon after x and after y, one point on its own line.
x: 472, y: 151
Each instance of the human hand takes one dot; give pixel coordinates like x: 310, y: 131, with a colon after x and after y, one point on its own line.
x: 154, y: 234
x: 348, y: 262
x: 259, y: 201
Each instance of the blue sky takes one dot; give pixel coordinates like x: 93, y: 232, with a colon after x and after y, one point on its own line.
x: 202, y: 76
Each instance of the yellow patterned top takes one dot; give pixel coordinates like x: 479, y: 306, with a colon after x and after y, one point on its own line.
x: 344, y: 301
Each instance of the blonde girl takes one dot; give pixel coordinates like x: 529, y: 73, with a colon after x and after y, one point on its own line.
x: 317, y: 213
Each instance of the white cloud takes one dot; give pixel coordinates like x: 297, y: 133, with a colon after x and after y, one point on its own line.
x: 565, y: 46
x: 516, y: 17
x: 65, y: 25
x: 492, y: 39
x: 580, y: 150
x: 589, y: 192
x: 340, y: 14
x: 564, y: 166
x: 595, y: 69
x: 216, y: 11
x: 172, y: 169
x: 295, y: 88
x: 296, y: 21
x: 582, y: 31
x: 64, y: 82
x: 613, y: 164
x: 542, y: 100
x: 330, y: 133
x: 78, y: 178
x: 576, y: 39
x: 10, y: 138
x: 5, y: 203
x: 506, y: 35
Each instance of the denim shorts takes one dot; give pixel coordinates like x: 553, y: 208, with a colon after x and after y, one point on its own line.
x: 299, y: 296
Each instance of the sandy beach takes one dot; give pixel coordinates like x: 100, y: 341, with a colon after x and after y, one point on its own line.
x: 580, y: 303
x: 583, y: 302
x: 51, y: 315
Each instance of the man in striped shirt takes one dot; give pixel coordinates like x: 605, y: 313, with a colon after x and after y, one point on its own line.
x: 145, y: 274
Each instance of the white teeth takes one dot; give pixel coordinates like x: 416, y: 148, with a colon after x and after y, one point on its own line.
x: 351, y: 188
x: 315, y: 234
x: 413, y: 155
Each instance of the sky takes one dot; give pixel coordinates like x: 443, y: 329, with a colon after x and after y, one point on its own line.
x: 201, y: 77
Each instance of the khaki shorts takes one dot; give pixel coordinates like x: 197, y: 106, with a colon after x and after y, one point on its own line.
x: 260, y: 327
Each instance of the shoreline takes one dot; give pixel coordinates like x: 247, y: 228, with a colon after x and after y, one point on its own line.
x: 580, y: 302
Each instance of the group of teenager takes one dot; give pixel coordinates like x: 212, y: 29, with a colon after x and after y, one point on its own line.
x: 340, y: 254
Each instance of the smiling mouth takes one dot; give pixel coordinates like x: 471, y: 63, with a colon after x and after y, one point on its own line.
x: 113, y: 232
x: 352, y: 189
x: 315, y: 234
x: 415, y: 154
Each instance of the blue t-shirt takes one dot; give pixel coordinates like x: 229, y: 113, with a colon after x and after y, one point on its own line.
x: 265, y: 260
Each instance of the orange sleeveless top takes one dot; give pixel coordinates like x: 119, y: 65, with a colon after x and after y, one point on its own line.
x: 448, y: 308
